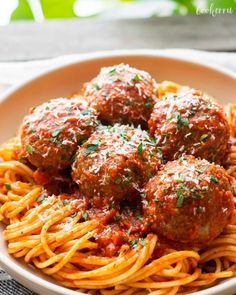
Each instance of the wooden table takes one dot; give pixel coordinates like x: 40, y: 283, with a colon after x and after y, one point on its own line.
x: 27, y: 40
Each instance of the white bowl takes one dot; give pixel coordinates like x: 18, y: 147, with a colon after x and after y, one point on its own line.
x: 67, y: 79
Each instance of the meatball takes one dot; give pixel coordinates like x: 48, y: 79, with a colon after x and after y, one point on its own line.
x: 115, y: 162
x: 122, y: 94
x: 190, y: 123
x: 51, y: 132
x: 189, y: 201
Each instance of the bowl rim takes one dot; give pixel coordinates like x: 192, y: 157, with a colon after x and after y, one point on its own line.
x: 5, y: 261
x: 93, y: 56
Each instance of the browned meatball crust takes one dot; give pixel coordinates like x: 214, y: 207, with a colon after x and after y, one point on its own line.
x: 122, y: 94
x: 51, y: 132
x: 115, y: 162
x: 189, y: 201
x: 190, y: 123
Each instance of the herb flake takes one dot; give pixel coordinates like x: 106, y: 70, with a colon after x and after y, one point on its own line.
x: 73, y: 215
x: 140, y: 148
x: 180, y: 200
x: 136, y: 78
x: 112, y: 72
x: 129, y: 230
x: 214, y: 179
x: 180, y: 121
x: 85, y: 215
x: 41, y: 198
x: 142, y: 242
x: 96, y: 86
x: 148, y: 103
x: 91, y: 147
x: 56, y: 132
x: 203, y: 137
x: 29, y: 149
x: 8, y: 186
x: 85, y: 112
x: 65, y: 202
x: 118, y: 180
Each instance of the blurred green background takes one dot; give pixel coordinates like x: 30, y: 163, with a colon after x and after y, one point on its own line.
x: 40, y: 10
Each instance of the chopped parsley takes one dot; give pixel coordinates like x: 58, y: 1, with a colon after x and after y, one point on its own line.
x: 91, y: 147
x: 169, y: 118
x: 183, y: 186
x: 55, y: 140
x: 56, y: 132
x: 118, y: 180
x: 180, y: 121
x: 32, y: 130
x: 180, y: 200
x: 199, y: 170
x: 8, y: 186
x: 182, y: 159
x: 96, y: 86
x: 85, y: 215
x: 41, y: 198
x: 117, y: 217
x: 112, y: 72
x: 105, y: 94
x: 130, y: 102
x: 129, y: 230
x: 124, y: 136
x: 22, y: 159
x: 70, y: 109
x: 184, y: 121
x: 85, y: 112
x: 152, y: 140
x: 105, y: 153
x: 140, y: 217
x: 148, y: 103
x: 191, y: 112
x: 234, y: 191
x: 177, y: 116
x: 145, y: 159
x: 196, y: 196
x: 181, y: 179
x: 29, y: 149
x: 203, y: 137
x: 142, y: 242
x: 133, y: 243
x: 161, y: 204
x: 159, y: 153
x: 113, y: 204
x: 65, y: 202
x: 143, y: 195
x: 136, y: 78
x: 214, y: 179
x: 140, y: 148
x: 150, y: 175
x: 73, y: 215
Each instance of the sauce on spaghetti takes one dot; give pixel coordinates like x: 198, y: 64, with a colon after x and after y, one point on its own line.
x: 133, y: 204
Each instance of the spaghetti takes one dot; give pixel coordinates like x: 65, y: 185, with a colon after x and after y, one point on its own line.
x: 54, y: 236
